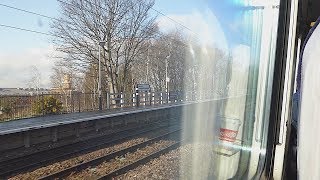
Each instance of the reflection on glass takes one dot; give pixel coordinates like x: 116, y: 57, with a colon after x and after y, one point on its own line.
x: 235, y: 70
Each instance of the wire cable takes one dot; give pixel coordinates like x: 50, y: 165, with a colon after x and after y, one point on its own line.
x: 52, y: 18
x: 27, y: 30
x: 26, y: 11
x: 48, y: 17
x: 175, y: 21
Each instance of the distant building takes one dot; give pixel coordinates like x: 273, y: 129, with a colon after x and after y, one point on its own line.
x: 22, y: 91
x: 66, y: 86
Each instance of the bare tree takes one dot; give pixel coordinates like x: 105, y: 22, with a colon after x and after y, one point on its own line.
x: 91, y: 79
x: 208, y: 69
x: 35, y: 78
x: 166, y: 56
x: 125, y: 26
x: 57, y: 77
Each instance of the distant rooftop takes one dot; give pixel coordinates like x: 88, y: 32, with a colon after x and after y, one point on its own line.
x: 21, y: 91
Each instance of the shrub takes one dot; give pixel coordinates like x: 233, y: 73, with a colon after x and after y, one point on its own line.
x: 48, y: 105
x: 6, y: 109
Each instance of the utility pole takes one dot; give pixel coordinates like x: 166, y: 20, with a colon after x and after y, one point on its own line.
x: 167, y: 77
x: 147, y: 66
x: 101, y: 44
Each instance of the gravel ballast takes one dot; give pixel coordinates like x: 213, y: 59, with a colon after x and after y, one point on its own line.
x: 109, y: 166
x: 46, y: 170
x: 177, y: 164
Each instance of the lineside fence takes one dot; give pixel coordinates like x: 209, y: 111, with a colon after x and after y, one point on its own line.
x: 26, y: 106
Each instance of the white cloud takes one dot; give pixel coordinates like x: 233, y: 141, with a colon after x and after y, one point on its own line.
x: 15, y: 69
x: 205, y: 27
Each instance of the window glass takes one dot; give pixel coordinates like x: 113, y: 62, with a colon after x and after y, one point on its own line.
x: 228, y: 133
x: 90, y: 56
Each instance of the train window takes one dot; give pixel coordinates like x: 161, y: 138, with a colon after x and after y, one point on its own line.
x: 234, y: 63
x: 130, y: 67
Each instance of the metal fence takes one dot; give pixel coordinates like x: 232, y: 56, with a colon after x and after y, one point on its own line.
x: 18, y: 107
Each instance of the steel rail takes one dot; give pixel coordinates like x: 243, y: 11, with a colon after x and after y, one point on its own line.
x: 63, y: 173
x: 53, y: 155
x: 140, y: 161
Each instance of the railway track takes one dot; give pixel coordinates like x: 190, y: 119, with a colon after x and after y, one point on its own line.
x: 140, y: 161
x: 32, y: 161
x: 94, y: 162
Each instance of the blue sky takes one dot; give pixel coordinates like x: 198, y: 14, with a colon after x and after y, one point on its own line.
x: 14, y: 40
x: 20, y: 50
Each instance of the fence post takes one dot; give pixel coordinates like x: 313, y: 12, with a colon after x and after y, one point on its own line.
x: 108, y: 100
x: 72, y: 100
x: 137, y: 98
x: 177, y: 97
x: 100, y: 100
x: 161, y: 100
x: 86, y: 102
x: 133, y: 99
x: 79, y: 99
x: 150, y: 98
x: 42, y: 103
x: 121, y: 99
